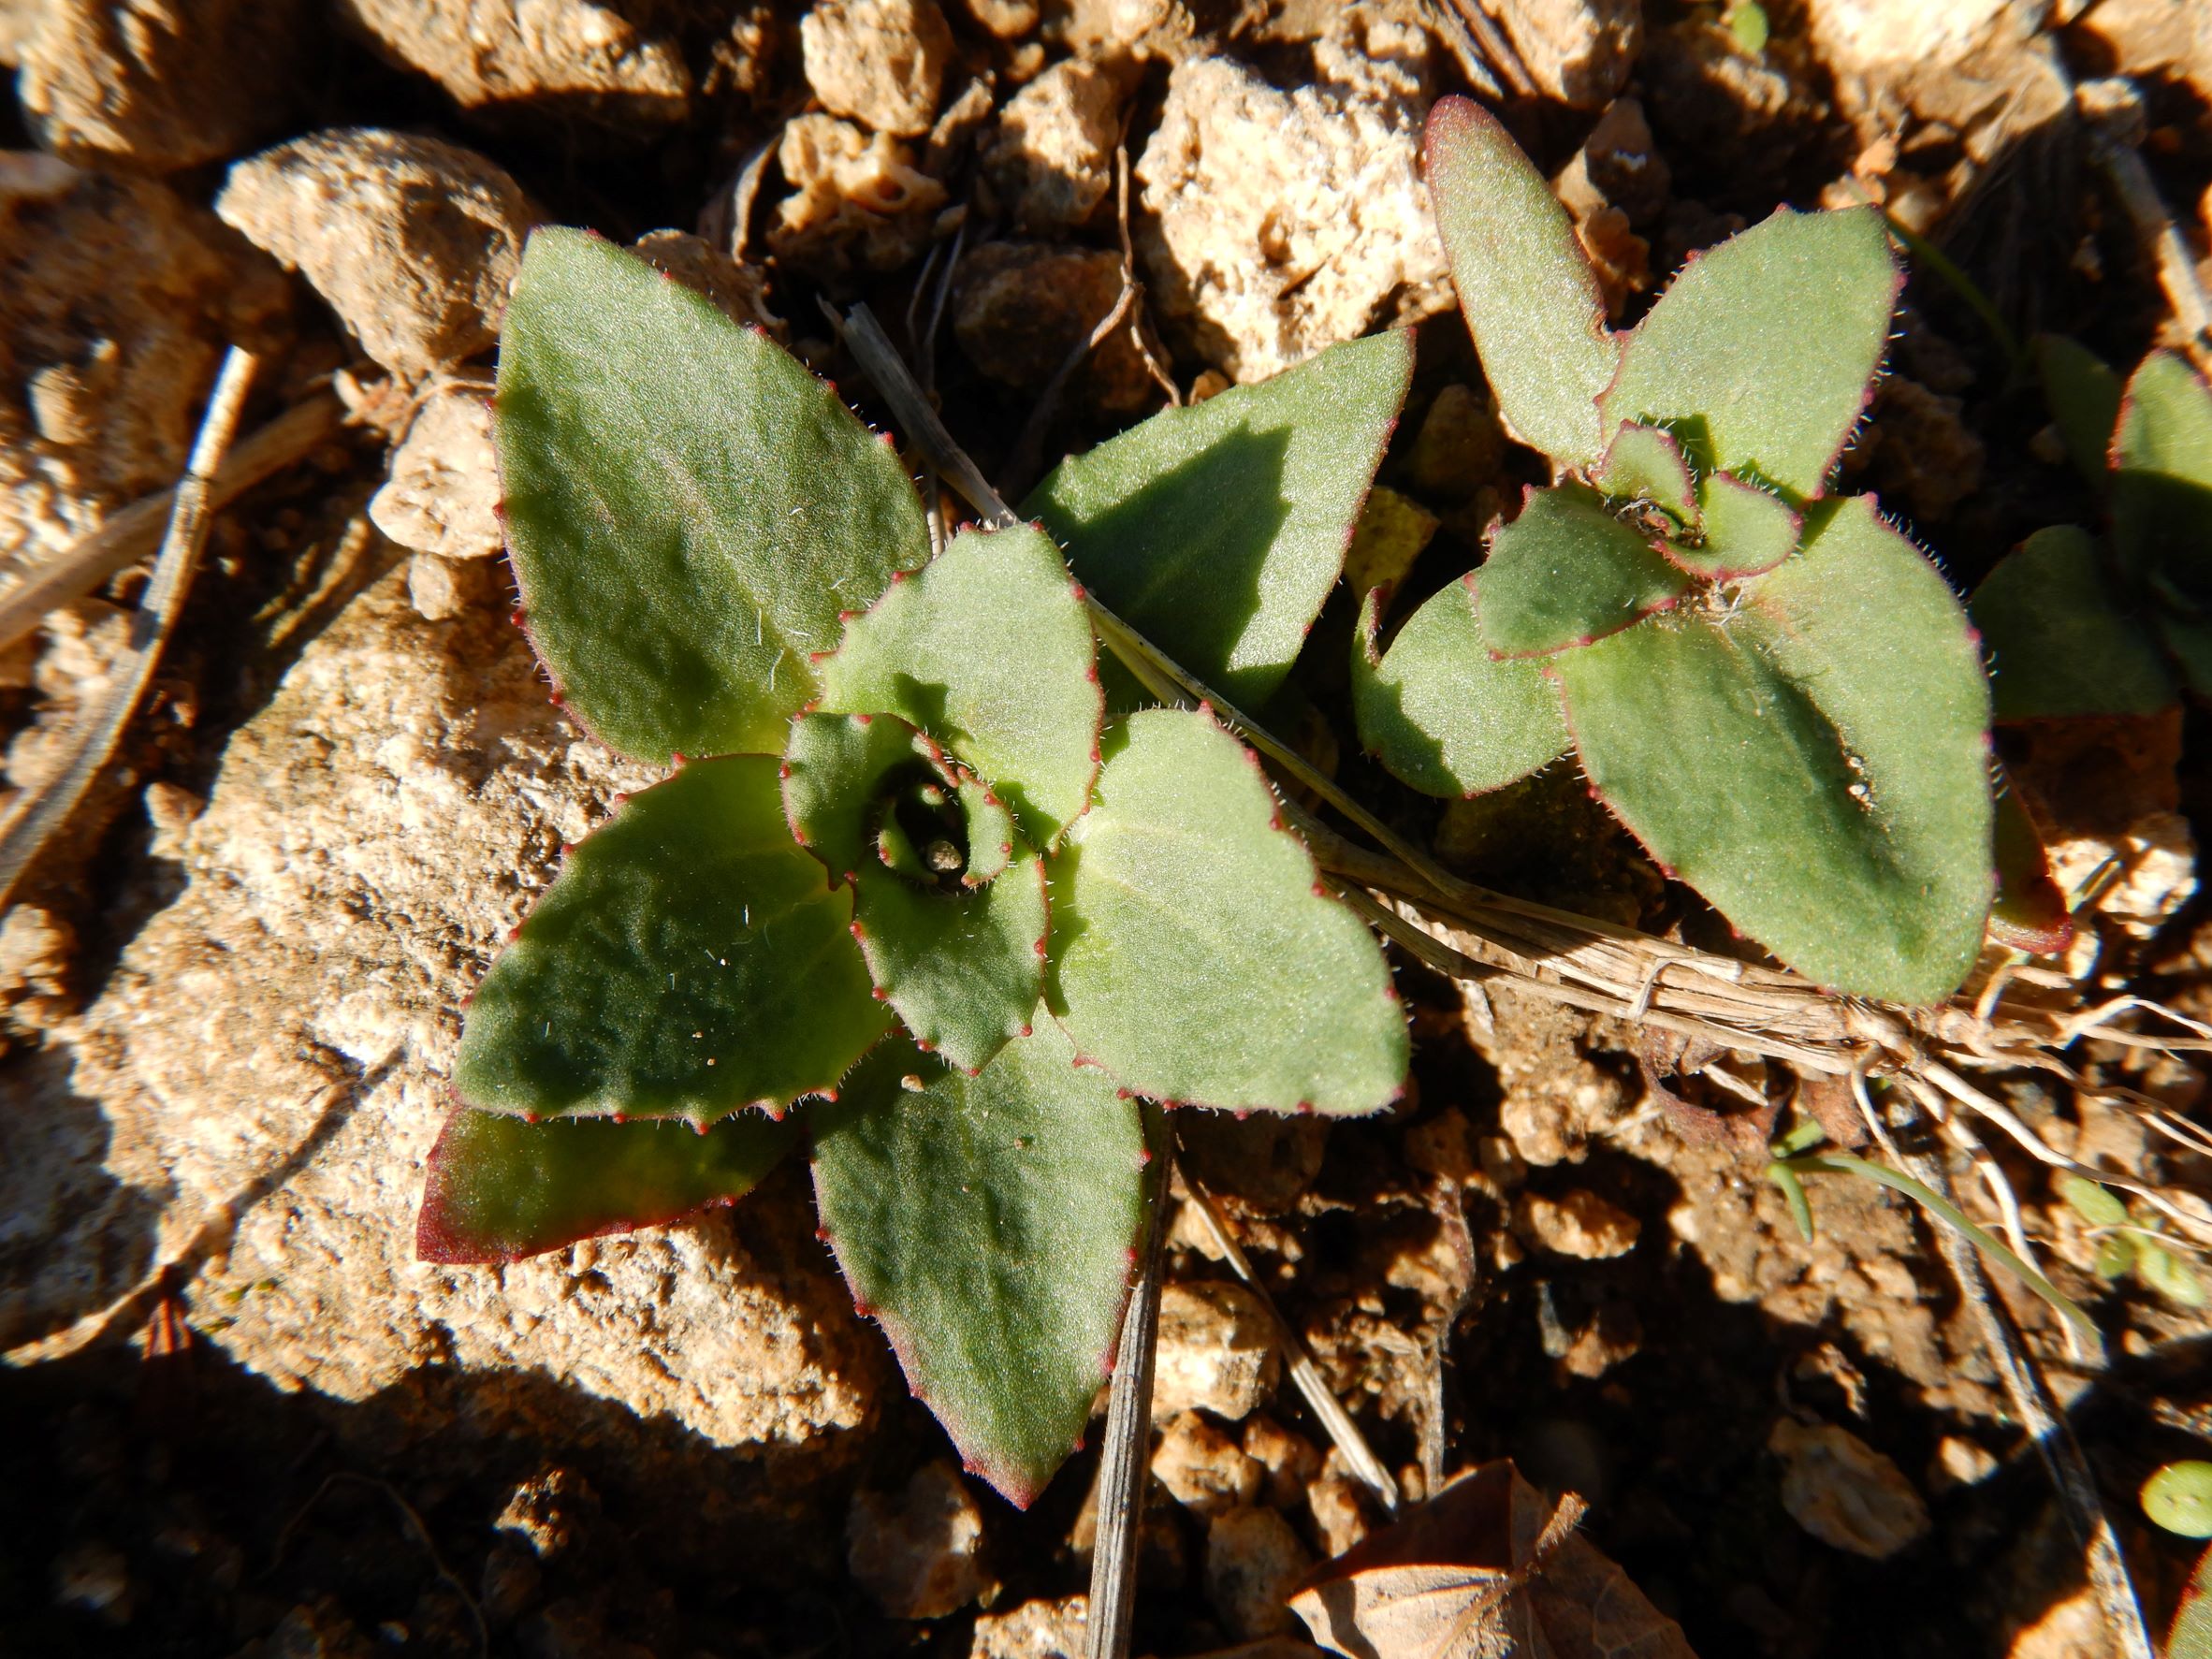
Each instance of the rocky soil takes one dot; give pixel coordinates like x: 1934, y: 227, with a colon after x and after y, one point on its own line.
x: 249, y: 1425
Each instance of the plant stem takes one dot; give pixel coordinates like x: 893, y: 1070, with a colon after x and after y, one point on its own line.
x: 1126, y: 1459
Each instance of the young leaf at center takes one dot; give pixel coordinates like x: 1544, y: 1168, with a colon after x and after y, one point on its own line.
x: 1567, y: 572
x: 688, y: 508
x: 989, y: 651
x: 990, y: 1223
x: 1191, y: 956
x: 689, y: 960
x: 949, y: 904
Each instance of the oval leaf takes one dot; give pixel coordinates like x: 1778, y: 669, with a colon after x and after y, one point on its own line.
x: 500, y: 1189
x: 687, y: 507
x: 1760, y: 355
x: 2059, y: 645
x: 959, y: 955
x: 1567, y: 572
x: 1644, y: 463
x: 1441, y: 712
x: 689, y: 960
x: 1814, y: 763
x: 989, y: 651
x: 989, y: 1223
x: 1216, y: 530
x: 1528, y: 294
x: 1193, y: 957
x: 2161, y: 484
x: 2083, y: 395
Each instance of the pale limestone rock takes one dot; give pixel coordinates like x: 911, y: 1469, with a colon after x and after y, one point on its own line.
x: 1035, y: 1630
x: 1288, y: 1460
x: 1855, y: 36
x: 2073, y: 1627
x: 19, y: 18
x: 921, y: 1555
x: 1203, y: 1468
x: 116, y: 298
x: 1579, y: 1224
x: 443, y: 588
x: 1579, y: 51
x: 1339, y: 1508
x: 1253, y: 1562
x: 159, y: 84
x: 256, y: 1090
x: 1053, y: 160
x: 443, y: 493
x: 1217, y: 1350
x: 412, y: 242
x: 1844, y: 1492
x: 1278, y: 223
x: 880, y: 62
x: 854, y: 199
x: 555, y: 57
x: 1009, y: 19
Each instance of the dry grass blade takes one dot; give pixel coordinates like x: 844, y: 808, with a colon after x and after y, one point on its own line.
x: 1343, y: 1432
x: 1124, y: 1459
x: 43, y: 811
x: 136, y: 531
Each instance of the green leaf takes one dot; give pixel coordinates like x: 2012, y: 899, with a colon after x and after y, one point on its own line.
x: 950, y: 904
x: 1441, y: 712
x: 2058, y: 644
x: 2190, y: 1635
x: 2095, y: 1203
x: 990, y: 1224
x: 1216, y: 530
x: 2189, y: 642
x: 2178, y: 1497
x: 1193, y: 956
x: 2168, y: 1274
x: 1567, y: 572
x: 1646, y: 464
x: 2162, y: 486
x: 2029, y: 912
x: 687, y: 961
x: 989, y: 651
x: 687, y: 507
x: 1951, y: 1215
x: 1759, y: 356
x: 2083, y: 395
x: 1528, y: 292
x: 1747, y: 530
x: 500, y: 1189
x: 1814, y: 761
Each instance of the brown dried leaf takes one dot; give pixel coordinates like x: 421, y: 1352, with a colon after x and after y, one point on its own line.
x: 1489, y: 1568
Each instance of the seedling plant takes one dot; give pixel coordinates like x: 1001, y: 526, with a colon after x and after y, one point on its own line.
x: 974, y: 909
x: 2079, y: 624
x: 1769, y: 685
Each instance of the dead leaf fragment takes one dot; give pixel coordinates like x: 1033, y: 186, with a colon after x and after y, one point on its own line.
x: 1489, y: 1568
